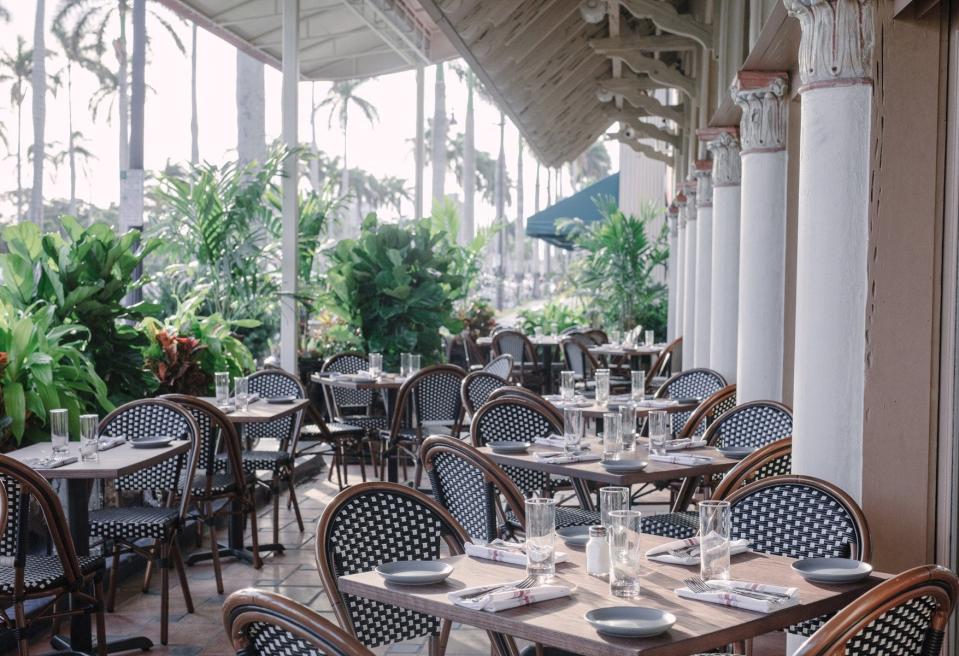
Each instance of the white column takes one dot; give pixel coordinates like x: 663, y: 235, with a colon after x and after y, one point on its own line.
x: 762, y: 240
x: 688, y: 210
x: 672, y: 281
x: 679, y: 202
x: 703, y: 172
x: 835, y: 64
x: 289, y: 321
x: 419, y: 152
x: 723, y: 143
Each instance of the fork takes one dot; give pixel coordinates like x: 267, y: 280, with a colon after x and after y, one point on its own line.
x: 686, y: 552
x: 525, y: 584
x: 697, y: 584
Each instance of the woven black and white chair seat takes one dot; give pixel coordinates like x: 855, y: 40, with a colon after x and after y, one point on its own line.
x: 254, y: 461
x: 753, y: 425
x: 219, y: 484
x: 366, y: 422
x: 345, y: 397
x: 694, y: 383
x: 480, y: 386
x: 900, y: 630
x: 272, y: 640
x: 566, y: 517
x: 133, y: 523
x: 43, y: 572
x: 677, y: 525
x: 312, y: 432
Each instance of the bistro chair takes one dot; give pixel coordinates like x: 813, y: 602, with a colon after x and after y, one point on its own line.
x: 262, y: 623
x: 598, y: 336
x: 471, y: 350
x: 474, y: 489
x: 477, y: 387
x: 517, y: 392
x: 167, y: 484
x: 319, y: 436
x: 55, y: 575
x: 690, y: 384
x: 708, y: 411
x: 663, y: 364
x: 501, y: 365
x: 527, y: 370
x: 351, y: 406
x: 216, y: 493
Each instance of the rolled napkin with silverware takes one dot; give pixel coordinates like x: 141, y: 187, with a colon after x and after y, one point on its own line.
x: 686, y: 552
x: 681, y: 459
x: 556, y: 440
x: 504, y: 552
x: 107, y: 442
x: 561, y: 457
x: 658, y: 403
x: 681, y: 444
x: 53, y: 462
x: 758, y: 597
x: 493, y: 598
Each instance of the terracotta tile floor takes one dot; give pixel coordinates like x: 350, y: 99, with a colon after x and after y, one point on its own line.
x: 292, y: 574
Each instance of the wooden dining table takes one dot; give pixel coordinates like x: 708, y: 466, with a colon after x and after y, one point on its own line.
x: 79, y: 477
x: 561, y: 623
x: 593, y: 410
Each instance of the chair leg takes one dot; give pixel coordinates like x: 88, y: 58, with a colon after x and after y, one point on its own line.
x: 164, y: 592
x: 148, y: 574
x: 112, y: 596
x: 181, y: 572
x: 101, y: 618
x: 275, y: 491
x: 23, y: 645
x: 296, y: 505
x: 214, y: 549
x: 254, y: 537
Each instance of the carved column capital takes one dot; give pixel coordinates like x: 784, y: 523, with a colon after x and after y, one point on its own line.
x: 723, y: 143
x: 837, y: 41
x: 703, y: 172
x: 672, y: 220
x: 761, y: 96
x: 680, y: 202
x: 690, y: 187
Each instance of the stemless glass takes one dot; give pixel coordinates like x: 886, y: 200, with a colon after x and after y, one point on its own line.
x: 376, y: 364
x: 615, y: 337
x: 660, y: 429
x: 221, y: 383
x: 602, y: 387
x: 541, y: 538
x: 567, y: 385
x: 650, y: 338
x: 612, y: 436
x: 627, y: 417
x: 59, y: 431
x: 554, y: 329
x: 89, y: 438
x: 637, y: 393
x: 612, y: 498
x: 404, y: 364
x: 538, y: 332
x: 715, y: 522
x: 625, y: 552
x: 572, y: 429
x: 416, y: 361
x: 241, y: 392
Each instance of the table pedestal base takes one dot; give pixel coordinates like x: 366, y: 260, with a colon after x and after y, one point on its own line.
x: 241, y: 553
x: 62, y: 644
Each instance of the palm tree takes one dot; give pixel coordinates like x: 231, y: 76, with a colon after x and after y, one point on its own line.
x: 468, y: 176
x: 250, y: 109
x: 4, y: 14
x: 519, y: 247
x: 18, y: 68
x: 39, y: 77
x: 484, y: 167
x: 592, y: 165
x: 438, y: 141
x: 76, y: 154
x: 194, y: 120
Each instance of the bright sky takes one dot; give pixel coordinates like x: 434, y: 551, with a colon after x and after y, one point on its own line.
x: 383, y: 149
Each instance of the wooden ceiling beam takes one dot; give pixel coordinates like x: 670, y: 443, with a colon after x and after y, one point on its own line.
x: 641, y: 148
x: 644, y: 130
x: 524, y: 23
x: 648, y: 43
x: 573, y: 56
x: 642, y: 100
x: 666, y: 18
x: 556, y: 30
x: 571, y: 83
x: 654, y: 68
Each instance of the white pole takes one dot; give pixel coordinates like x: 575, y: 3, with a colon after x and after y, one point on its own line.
x: 723, y: 143
x: 688, y: 210
x: 762, y: 242
x: 672, y: 220
x: 419, y: 157
x: 704, y: 259
x: 289, y: 321
x: 679, y: 201
x: 832, y: 247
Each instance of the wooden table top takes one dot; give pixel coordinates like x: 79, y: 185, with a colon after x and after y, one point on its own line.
x: 622, y: 349
x: 113, y: 463
x: 561, y: 623
x: 615, y: 402
x: 593, y: 470
x: 386, y: 381
x: 542, y: 340
x: 260, y: 411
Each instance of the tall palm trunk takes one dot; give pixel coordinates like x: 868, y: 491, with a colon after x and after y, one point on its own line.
x: 123, y: 87
x: 439, y: 137
x: 315, y: 161
x: 39, y: 112
x: 20, y: 155
x: 519, y: 247
x: 194, y: 119
x: 345, y: 227
x: 71, y: 142
x: 499, y: 192
x: 132, y: 214
x: 539, y: 244
x: 469, y: 166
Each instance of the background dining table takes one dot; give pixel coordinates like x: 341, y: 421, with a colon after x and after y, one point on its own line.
x: 548, y: 345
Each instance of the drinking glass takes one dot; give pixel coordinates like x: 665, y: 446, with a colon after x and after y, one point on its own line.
x: 612, y: 498
x: 59, y: 431
x: 637, y: 393
x: 241, y: 391
x: 221, y: 383
x: 602, y: 387
x: 567, y: 385
x: 554, y: 329
x: 541, y: 538
x: 89, y: 438
x: 376, y: 364
x: 405, y: 364
x: 650, y: 338
x: 416, y: 361
x: 612, y: 436
x: 627, y: 416
x: 625, y: 552
x: 715, y: 521
x: 538, y: 331
x: 614, y: 337
x: 572, y: 429
x: 660, y: 429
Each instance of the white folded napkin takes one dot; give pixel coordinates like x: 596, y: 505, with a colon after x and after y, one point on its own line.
x: 107, y: 442
x: 556, y: 440
x: 510, y: 598
x: 682, y: 459
x: 563, y: 458
x: 679, y: 445
x: 505, y: 552
x: 659, y: 403
x: 661, y: 553
x: 728, y: 596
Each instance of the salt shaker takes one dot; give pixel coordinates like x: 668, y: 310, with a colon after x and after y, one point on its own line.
x: 597, y: 552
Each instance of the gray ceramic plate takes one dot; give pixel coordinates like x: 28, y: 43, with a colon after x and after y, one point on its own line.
x: 415, y: 572
x: 152, y: 442
x: 281, y: 400
x: 510, y: 447
x: 832, y: 570
x: 574, y: 536
x: 736, y: 452
x: 617, y: 466
x: 630, y: 621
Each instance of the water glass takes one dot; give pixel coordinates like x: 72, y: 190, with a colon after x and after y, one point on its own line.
x: 715, y: 521
x: 637, y: 393
x: 241, y: 390
x: 572, y: 429
x: 612, y: 498
x: 625, y: 552
x: 567, y: 385
x: 59, y: 431
x: 89, y: 438
x: 538, y: 331
x: 416, y: 362
x: 660, y: 430
x: 612, y: 436
x: 541, y: 538
x: 404, y: 364
x: 376, y: 364
x: 602, y: 387
x: 650, y: 338
x: 221, y: 385
x: 627, y: 416
x: 614, y: 337
x: 554, y: 329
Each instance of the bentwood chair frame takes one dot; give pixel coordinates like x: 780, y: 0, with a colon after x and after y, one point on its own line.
x: 663, y: 362
x: 707, y: 411
x: 338, y: 437
x: 527, y: 369
x: 471, y: 351
x: 477, y: 387
x: 501, y: 365
x: 55, y: 577
x: 262, y: 623
x: 517, y: 392
x: 699, y: 383
x: 339, y: 399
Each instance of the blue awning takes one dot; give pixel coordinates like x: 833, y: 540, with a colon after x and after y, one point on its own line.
x: 545, y: 224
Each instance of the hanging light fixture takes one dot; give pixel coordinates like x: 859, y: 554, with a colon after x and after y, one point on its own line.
x: 592, y: 11
x: 603, y: 95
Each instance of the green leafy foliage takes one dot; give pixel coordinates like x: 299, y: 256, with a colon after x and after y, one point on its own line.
x: 395, y: 285
x: 84, y: 274
x: 477, y: 317
x: 556, y: 313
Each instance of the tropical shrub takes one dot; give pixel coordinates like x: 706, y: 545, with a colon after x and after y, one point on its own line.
x: 327, y: 334
x: 395, y: 285
x: 477, y: 317
x: 84, y: 274
x: 554, y: 313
